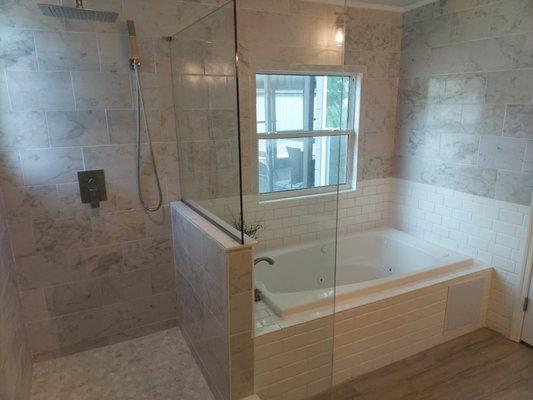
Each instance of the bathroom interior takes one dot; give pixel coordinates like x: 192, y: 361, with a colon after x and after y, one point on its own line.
x: 266, y: 199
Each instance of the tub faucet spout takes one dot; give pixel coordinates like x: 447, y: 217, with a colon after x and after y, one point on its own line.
x: 267, y: 259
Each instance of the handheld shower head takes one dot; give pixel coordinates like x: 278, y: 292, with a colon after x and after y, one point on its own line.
x: 78, y: 12
x: 135, y: 53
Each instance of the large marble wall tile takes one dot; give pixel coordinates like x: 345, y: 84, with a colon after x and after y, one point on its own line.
x: 162, y: 278
x: 40, y: 90
x: 465, y: 89
x: 22, y: 240
x: 515, y: 187
x: 77, y: 128
x: 127, y: 286
x: 34, y: 305
x: 96, y: 262
x: 462, y: 149
x: 156, y: 91
x: 27, y: 203
x: 118, y: 161
x: 66, y: 51
x: 513, y: 87
x: 501, y: 153
x: 62, y: 234
x: 98, y: 90
x: 4, y: 93
x: 73, y: 297
x: 17, y: 50
x: 47, y: 166
x: 147, y: 253
x: 116, y: 227
x: 123, y: 126
x: 519, y: 121
x: 479, y: 119
x: 430, y: 33
x: 23, y: 129
x: 443, y: 118
x: 528, y: 157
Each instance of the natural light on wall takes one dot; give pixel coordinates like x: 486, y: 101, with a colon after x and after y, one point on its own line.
x: 305, y: 128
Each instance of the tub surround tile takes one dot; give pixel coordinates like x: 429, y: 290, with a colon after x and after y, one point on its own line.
x: 477, y: 83
x: 519, y: 121
x: 514, y: 187
x: 513, y: 87
x: 502, y: 153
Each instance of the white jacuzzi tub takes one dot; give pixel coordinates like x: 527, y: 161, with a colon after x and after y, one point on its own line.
x: 303, y: 276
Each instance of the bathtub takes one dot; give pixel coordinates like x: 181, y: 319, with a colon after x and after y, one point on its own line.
x: 303, y: 276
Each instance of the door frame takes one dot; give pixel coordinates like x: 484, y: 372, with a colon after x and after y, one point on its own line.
x: 517, y: 322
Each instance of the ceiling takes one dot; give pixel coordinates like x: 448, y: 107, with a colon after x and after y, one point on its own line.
x: 397, y: 3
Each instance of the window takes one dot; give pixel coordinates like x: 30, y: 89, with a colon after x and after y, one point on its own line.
x: 306, y: 131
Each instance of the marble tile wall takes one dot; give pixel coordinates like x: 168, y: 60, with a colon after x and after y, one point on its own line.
x: 87, y: 277
x: 15, y: 355
x: 215, y: 300
x: 465, y: 108
x: 297, y: 35
x: 494, y: 232
x: 464, y: 134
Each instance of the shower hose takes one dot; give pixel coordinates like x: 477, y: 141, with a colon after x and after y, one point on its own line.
x: 140, y: 106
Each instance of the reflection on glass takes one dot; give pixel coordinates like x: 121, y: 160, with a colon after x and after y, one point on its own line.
x: 302, y: 163
x: 302, y: 102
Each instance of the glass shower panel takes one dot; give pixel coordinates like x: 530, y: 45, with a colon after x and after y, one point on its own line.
x: 296, y: 154
x: 205, y: 96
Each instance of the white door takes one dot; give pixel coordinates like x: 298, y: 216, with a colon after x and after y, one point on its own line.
x: 527, y: 329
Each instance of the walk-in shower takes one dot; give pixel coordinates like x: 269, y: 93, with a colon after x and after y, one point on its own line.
x: 79, y: 12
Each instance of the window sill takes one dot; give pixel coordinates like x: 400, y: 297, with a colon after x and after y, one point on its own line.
x: 280, y: 197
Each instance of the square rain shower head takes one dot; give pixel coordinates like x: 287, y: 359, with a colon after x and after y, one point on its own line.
x: 54, y: 10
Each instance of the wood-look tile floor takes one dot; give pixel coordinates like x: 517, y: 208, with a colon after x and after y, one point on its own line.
x: 154, y: 367
x: 482, y: 365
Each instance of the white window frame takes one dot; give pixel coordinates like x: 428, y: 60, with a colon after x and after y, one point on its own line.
x: 352, y: 133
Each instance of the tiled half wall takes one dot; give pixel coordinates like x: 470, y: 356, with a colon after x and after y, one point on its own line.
x: 15, y: 355
x: 215, y: 299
